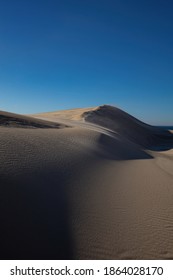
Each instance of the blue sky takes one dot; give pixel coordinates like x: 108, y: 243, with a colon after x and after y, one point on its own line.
x: 79, y: 53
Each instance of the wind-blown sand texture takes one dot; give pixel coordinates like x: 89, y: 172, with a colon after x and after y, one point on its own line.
x: 95, y: 183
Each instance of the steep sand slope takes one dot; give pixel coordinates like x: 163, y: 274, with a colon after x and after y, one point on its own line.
x: 83, y: 192
x: 128, y: 126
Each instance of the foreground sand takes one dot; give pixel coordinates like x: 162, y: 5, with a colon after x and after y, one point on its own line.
x: 86, y: 191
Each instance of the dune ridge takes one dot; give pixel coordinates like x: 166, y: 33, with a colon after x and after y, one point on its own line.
x: 128, y: 126
x: 15, y: 120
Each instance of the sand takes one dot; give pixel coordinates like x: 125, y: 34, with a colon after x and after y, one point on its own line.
x: 15, y: 120
x: 96, y: 185
x: 71, y: 114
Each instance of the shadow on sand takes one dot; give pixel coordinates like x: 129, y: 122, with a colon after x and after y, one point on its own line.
x: 35, y: 214
x: 120, y: 148
x: 35, y: 218
x: 164, y: 141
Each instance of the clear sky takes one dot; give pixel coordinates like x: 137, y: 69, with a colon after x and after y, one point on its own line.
x: 60, y: 54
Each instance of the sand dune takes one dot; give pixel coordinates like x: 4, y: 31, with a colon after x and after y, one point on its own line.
x: 15, y: 120
x: 128, y: 126
x: 119, y: 122
x: 72, y: 114
x: 99, y: 188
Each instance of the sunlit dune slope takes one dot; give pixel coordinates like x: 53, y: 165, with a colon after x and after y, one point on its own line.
x: 71, y: 114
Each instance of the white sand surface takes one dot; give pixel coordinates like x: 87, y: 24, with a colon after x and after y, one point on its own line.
x: 97, y: 186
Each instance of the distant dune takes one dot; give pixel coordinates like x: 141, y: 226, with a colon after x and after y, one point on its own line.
x: 100, y: 187
x: 15, y: 120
